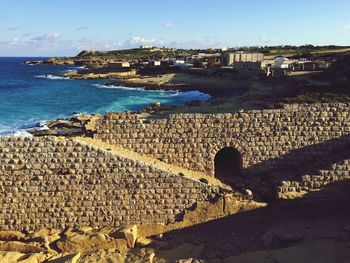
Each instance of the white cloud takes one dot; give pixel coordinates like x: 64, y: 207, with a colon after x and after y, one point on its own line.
x: 26, y: 44
x: 347, y: 27
x: 136, y: 41
x: 50, y: 38
x: 53, y: 44
x: 169, y: 24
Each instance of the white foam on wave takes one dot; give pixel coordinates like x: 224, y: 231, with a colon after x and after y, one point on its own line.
x: 52, y: 77
x: 74, y: 69
x: 22, y: 134
x: 21, y: 130
x: 196, y: 95
x: 170, y: 92
x: 16, y: 133
x: 101, y: 86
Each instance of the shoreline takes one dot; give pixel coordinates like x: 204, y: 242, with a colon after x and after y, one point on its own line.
x: 43, y: 126
x: 229, y: 91
x: 214, y: 86
x: 214, y: 92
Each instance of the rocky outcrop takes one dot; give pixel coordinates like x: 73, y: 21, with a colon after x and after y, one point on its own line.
x: 118, y: 75
x: 82, y: 124
x: 52, y: 61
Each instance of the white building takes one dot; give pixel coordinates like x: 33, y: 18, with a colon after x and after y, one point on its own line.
x: 145, y: 47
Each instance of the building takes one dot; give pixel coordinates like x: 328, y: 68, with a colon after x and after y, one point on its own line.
x: 230, y: 58
x: 145, y: 46
x: 274, y: 72
x: 282, y: 62
x: 306, y: 66
x: 174, y: 61
x: 243, y: 65
x: 119, y: 64
x: 154, y: 63
x: 278, y: 67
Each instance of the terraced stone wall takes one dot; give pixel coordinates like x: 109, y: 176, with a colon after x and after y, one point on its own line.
x: 47, y: 182
x: 279, y: 145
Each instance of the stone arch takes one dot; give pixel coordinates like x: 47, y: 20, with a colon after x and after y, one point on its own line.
x: 228, y: 163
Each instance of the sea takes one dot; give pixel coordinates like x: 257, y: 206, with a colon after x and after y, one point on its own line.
x: 31, y: 95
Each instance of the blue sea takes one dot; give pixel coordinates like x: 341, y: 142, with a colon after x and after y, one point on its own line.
x: 30, y: 95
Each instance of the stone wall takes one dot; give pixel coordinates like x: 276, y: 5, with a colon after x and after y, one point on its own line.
x: 47, y: 182
x: 55, y: 182
x: 276, y: 144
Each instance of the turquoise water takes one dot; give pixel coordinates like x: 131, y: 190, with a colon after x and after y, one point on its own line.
x: 31, y: 95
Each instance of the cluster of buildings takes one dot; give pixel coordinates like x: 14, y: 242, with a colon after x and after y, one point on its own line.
x: 279, y: 66
x: 238, y: 60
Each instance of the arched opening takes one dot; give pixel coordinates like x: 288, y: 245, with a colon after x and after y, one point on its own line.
x: 228, y: 163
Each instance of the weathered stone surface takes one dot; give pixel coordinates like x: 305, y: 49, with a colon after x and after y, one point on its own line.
x: 16, y: 257
x: 11, y: 235
x: 278, y: 239
x: 59, y: 183
x: 88, y: 242
x: 20, y: 247
x: 277, y: 144
x: 65, y: 258
x: 129, y: 233
x: 44, y: 236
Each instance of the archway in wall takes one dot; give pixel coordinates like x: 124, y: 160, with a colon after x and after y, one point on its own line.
x: 228, y: 163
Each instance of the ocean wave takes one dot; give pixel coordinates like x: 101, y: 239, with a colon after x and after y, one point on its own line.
x: 22, y: 129
x: 74, y: 69
x: 169, y: 92
x: 16, y: 133
x: 52, y: 77
x: 101, y: 86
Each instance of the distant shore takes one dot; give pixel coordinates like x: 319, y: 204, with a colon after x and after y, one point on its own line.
x: 181, y: 81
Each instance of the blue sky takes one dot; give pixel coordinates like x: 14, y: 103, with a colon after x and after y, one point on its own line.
x: 62, y: 27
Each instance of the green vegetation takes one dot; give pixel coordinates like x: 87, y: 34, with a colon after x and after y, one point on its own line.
x: 137, y: 53
x: 327, y: 53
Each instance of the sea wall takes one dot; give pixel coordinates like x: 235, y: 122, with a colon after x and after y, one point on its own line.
x: 48, y: 182
x: 278, y: 145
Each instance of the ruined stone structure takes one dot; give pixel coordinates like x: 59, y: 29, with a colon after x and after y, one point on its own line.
x: 60, y: 182
x: 292, y: 149
x: 46, y: 182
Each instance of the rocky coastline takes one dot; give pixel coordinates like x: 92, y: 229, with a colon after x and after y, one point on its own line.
x: 216, y: 83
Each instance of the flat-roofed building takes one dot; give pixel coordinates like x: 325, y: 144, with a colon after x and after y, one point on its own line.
x: 228, y: 59
x: 119, y: 64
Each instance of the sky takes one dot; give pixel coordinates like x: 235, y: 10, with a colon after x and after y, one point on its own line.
x: 65, y: 27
